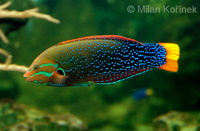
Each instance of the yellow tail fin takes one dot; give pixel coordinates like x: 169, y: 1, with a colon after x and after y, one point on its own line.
x: 172, y: 57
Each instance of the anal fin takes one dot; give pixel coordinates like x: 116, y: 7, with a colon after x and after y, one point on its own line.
x: 113, y: 78
x: 89, y: 83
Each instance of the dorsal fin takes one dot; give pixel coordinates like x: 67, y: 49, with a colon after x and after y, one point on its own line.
x: 100, y: 37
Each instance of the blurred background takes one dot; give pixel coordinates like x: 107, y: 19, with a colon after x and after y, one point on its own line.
x: 117, y: 106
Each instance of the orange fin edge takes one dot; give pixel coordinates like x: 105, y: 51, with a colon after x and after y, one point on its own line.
x: 108, y: 37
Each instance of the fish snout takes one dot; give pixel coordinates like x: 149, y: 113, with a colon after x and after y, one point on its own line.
x: 27, y: 74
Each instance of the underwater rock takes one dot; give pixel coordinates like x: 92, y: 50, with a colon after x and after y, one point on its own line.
x: 177, y: 121
x: 18, y: 117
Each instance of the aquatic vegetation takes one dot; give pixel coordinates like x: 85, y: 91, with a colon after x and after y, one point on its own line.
x: 102, y: 59
x: 177, y: 121
x: 19, y: 117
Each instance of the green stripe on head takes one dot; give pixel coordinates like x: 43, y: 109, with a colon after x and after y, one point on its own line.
x: 49, y: 64
x: 47, y: 74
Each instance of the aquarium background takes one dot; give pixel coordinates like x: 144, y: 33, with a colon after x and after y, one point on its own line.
x: 108, y: 107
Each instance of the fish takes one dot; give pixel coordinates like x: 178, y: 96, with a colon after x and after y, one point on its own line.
x: 142, y: 93
x: 101, y: 59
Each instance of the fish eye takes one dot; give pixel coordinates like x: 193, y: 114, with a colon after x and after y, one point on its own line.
x: 60, y: 71
x: 35, y: 67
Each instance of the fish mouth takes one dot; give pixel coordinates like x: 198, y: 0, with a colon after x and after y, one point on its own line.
x: 27, y: 74
x: 29, y: 79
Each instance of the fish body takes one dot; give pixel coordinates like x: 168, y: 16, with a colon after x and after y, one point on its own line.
x: 100, y: 59
x: 142, y: 93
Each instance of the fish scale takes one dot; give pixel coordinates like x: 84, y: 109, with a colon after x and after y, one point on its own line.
x: 100, y: 59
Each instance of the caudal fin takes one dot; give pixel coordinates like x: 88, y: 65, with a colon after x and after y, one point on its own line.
x: 172, y: 56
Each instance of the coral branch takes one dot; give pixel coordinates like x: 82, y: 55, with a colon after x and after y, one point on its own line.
x: 24, y: 14
x: 7, y: 66
x: 13, y: 67
x: 44, y: 16
x: 5, y: 5
x: 4, y: 52
x: 3, y: 37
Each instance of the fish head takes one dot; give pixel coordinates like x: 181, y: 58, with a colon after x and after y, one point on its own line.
x: 46, y: 72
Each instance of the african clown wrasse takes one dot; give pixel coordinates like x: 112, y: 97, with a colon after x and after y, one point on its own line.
x: 100, y: 59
